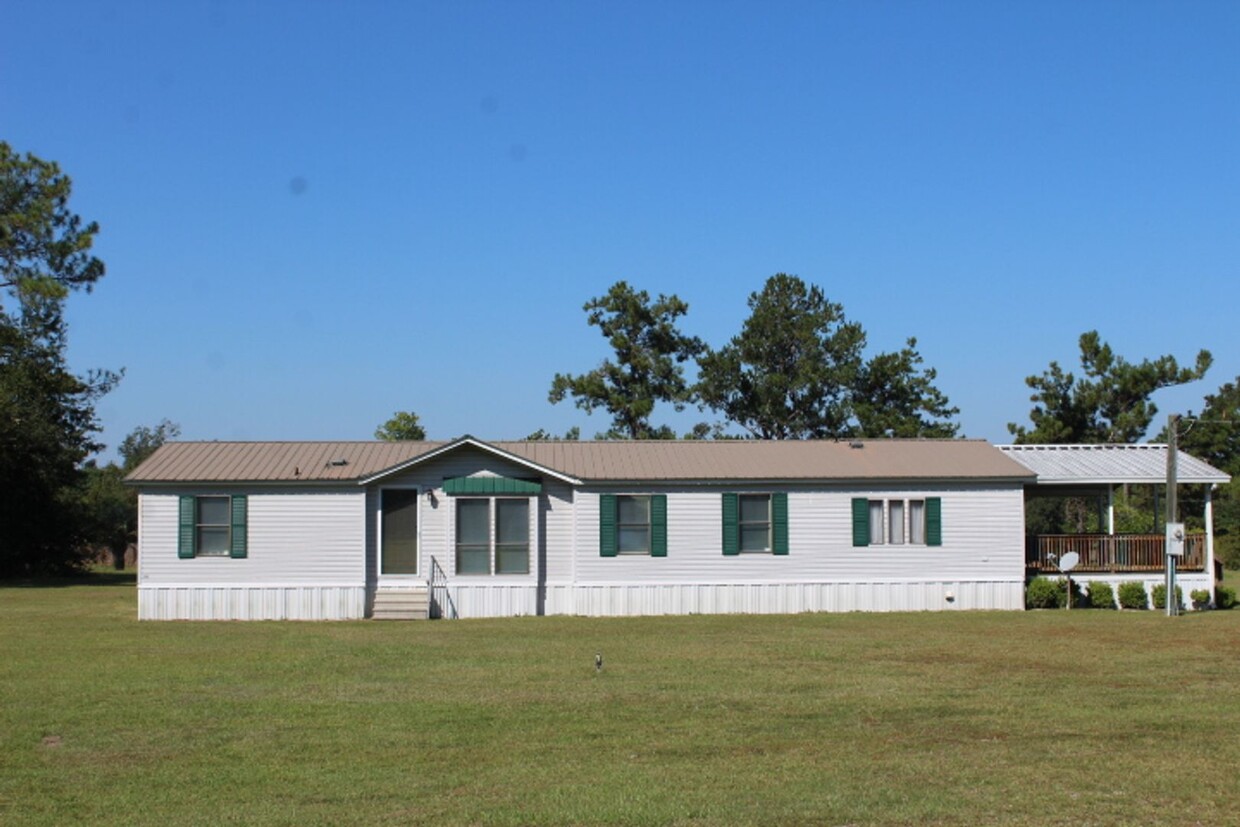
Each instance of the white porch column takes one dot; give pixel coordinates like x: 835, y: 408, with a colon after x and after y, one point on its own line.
x: 1210, y: 538
x: 1111, y: 509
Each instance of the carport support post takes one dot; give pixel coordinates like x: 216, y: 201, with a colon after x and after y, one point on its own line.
x: 1173, y: 421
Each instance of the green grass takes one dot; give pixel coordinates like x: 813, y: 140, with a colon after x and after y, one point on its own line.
x: 1083, y: 717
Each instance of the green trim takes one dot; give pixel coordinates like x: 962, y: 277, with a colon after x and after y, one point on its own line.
x: 454, y: 486
x: 779, y: 522
x: 607, y: 525
x: 185, y: 534
x: 861, y: 521
x: 934, y: 521
x: 731, y: 524
x: 237, y: 548
x: 658, y: 525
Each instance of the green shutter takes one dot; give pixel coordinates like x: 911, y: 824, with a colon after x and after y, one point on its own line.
x: 861, y: 521
x: 779, y: 521
x: 731, y: 524
x: 607, y: 525
x: 934, y: 521
x: 658, y: 525
x: 185, y: 536
x: 239, y: 508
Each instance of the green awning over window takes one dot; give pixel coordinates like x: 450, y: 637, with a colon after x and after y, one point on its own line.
x: 488, y: 486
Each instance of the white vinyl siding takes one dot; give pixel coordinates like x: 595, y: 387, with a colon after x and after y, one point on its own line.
x: 983, y: 540
x: 311, y: 536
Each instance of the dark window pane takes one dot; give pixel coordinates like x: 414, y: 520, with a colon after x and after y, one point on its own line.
x: 633, y: 539
x: 512, y: 522
x: 473, y: 522
x: 472, y: 560
x: 212, y: 540
x: 213, y: 511
x: 755, y: 538
x: 512, y: 559
x: 633, y: 510
x: 755, y: 508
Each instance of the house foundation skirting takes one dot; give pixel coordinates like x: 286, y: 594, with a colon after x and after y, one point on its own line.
x: 784, y: 598
x: 636, y: 599
x: 268, y: 602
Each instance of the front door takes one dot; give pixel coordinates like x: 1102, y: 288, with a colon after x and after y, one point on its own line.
x: 398, y: 532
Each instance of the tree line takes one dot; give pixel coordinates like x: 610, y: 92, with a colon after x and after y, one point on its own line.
x: 797, y: 369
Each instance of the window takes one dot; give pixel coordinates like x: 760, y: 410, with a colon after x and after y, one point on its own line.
x: 632, y: 524
x: 917, y: 522
x: 755, y: 523
x: 212, y: 525
x: 512, y: 537
x: 921, y: 521
x: 474, y: 541
x: 876, y: 522
x: 895, y: 522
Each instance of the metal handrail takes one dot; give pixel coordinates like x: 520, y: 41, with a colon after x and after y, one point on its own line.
x: 437, y: 585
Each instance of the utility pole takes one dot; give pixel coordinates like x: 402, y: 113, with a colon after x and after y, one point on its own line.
x: 1173, y: 423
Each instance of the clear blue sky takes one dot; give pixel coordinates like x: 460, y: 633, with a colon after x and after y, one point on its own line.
x: 317, y: 213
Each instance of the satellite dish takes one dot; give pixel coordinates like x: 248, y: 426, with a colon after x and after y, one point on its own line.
x: 1068, y: 562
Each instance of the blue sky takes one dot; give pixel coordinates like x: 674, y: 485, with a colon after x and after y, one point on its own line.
x: 315, y: 214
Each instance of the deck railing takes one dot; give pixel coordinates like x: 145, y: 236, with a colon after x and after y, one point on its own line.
x: 1111, y: 552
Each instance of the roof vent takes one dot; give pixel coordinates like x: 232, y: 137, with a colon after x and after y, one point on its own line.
x: 338, y: 462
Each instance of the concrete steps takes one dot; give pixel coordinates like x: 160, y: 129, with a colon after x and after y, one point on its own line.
x: 402, y: 604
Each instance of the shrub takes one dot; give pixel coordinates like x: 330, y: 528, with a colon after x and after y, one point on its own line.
x: 1042, y: 593
x: 1132, y: 595
x: 1159, y: 595
x: 1101, y: 595
x: 1201, y: 598
x: 1224, y: 597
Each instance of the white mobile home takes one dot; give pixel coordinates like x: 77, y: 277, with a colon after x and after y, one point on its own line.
x: 338, y: 530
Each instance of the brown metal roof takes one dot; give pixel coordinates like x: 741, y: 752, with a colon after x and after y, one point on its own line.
x: 656, y: 460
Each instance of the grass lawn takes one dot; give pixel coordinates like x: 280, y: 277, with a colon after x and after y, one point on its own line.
x: 1052, y: 717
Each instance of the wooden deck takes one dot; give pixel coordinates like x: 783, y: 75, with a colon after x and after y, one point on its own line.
x: 1117, y: 553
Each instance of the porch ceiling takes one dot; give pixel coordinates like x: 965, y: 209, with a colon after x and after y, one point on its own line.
x: 1078, y: 465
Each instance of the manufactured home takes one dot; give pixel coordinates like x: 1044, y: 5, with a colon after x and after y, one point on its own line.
x: 469, y: 528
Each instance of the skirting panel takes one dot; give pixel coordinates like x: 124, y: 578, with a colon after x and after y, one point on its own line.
x: 251, y: 602
x: 781, y: 598
x: 459, y: 601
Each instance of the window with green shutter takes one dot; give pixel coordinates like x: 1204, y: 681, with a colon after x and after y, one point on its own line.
x: 755, y: 523
x: 212, y: 525
x: 633, y: 524
x: 920, y: 521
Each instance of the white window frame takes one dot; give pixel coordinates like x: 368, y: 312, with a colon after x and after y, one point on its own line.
x: 769, y: 547
x: 199, y: 525
x: 531, y: 516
